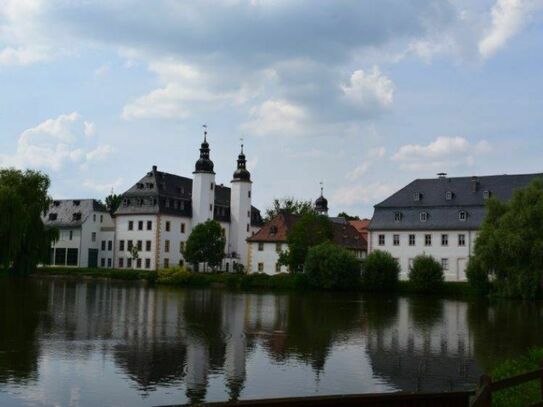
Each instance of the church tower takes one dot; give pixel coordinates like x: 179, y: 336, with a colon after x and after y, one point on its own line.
x: 203, y: 185
x: 321, y: 204
x: 240, y: 209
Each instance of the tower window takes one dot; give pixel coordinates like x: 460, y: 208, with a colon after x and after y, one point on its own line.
x: 211, y: 186
x: 249, y: 194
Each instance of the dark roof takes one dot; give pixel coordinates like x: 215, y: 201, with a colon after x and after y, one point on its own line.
x: 443, y: 199
x: 71, y: 212
x: 165, y: 193
x: 276, y: 230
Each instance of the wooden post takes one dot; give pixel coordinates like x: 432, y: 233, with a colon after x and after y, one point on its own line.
x: 486, y: 396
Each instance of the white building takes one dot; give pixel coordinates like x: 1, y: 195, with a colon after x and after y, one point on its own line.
x: 158, y: 213
x: 438, y: 217
x: 86, y: 233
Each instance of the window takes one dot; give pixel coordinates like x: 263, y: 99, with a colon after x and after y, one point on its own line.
x: 138, y: 263
x: 210, y: 207
x: 166, y: 263
x: 147, y: 245
x: 449, y: 195
x: 60, y: 257
x: 182, y: 228
x: 71, y: 257
x: 412, y: 240
x: 427, y: 240
x: 278, y: 247
x: 461, y: 240
x: 109, y: 245
x: 149, y: 225
x: 102, y: 262
x: 260, y: 246
x: 101, y: 218
x: 109, y: 262
x: 445, y: 264
x: 53, y: 216
x: 248, y: 214
x: 130, y: 225
x: 167, y: 246
x: 129, y: 263
x: 462, y: 215
x: 121, y: 262
x: 147, y: 263
x: 167, y: 227
x: 71, y: 235
x: 487, y: 194
x: 248, y: 227
x: 140, y: 245
x: 103, y: 245
x: 76, y: 216
x: 249, y: 194
x: 121, y: 245
x: 423, y: 216
x: 277, y: 267
x: 130, y: 244
x: 181, y: 247
x: 444, y: 240
x: 396, y: 240
x: 397, y: 217
x: 93, y: 236
x: 182, y: 263
x: 140, y: 225
x: 381, y: 240
x: 260, y: 267
x: 211, y: 186
x: 94, y: 218
x: 417, y: 196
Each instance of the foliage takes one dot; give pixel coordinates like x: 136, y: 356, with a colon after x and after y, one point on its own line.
x: 311, y: 230
x: 426, y: 274
x: 112, y: 202
x: 478, y: 277
x: 288, y: 205
x: 205, y: 244
x: 510, y: 244
x: 347, y: 216
x: 25, y: 239
x: 525, y: 394
x: 380, y: 272
x: 134, y: 253
x: 332, y: 267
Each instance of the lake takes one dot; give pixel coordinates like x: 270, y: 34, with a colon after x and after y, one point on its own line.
x: 96, y: 343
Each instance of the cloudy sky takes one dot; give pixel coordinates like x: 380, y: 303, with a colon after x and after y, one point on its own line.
x: 362, y: 95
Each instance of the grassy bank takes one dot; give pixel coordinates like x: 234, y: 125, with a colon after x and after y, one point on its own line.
x: 184, y: 278
x: 524, y: 394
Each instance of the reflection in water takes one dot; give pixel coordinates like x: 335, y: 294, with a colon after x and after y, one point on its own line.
x: 91, y: 343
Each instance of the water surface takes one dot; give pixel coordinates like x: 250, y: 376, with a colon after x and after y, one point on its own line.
x: 94, y: 343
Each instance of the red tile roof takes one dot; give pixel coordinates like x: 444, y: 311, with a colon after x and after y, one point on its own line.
x: 361, y: 225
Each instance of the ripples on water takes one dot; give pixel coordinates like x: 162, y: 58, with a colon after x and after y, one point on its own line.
x: 67, y: 343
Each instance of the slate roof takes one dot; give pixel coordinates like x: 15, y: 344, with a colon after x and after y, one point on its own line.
x: 276, y: 230
x: 443, y: 199
x: 165, y: 193
x: 64, y: 209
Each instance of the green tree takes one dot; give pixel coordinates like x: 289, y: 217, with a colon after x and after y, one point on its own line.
x: 332, y: 267
x: 347, y: 216
x: 25, y: 241
x: 112, y: 202
x: 426, y: 274
x: 288, y: 205
x: 509, y: 248
x: 205, y: 244
x: 134, y: 254
x: 380, y: 272
x: 311, y: 230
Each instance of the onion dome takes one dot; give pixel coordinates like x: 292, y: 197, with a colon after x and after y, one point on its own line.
x: 204, y: 163
x: 321, y: 204
x: 241, y: 173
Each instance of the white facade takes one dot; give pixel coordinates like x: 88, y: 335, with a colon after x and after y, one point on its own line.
x: 451, y: 248
x: 264, y: 257
x: 203, y: 196
x: 240, y: 218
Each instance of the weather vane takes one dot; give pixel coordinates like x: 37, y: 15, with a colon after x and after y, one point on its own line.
x: 205, y: 131
x: 322, y: 188
x: 241, y: 139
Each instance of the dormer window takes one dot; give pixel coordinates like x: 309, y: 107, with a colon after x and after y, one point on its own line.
x: 52, y: 216
x: 462, y: 216
x: 126, y: 202
x: 397, y: 217
x: 487, y: 195
x: 273, y: 230
x: 139, y: 185
x: 56, y: 203
x: 449, y: 196
x: 76, y: 216
x: 150, y: 185
x: 76, y: 202
x: 417, y: 196
x: 423, y: 216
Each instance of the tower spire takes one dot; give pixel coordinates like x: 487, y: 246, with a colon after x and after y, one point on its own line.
x: 204, y: 164
x: 241, y: 173
x: 205, y: 132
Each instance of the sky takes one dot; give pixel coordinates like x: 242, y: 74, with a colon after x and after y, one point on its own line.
x: 363, y: 96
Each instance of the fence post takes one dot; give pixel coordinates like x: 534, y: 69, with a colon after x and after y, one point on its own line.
x: 486, y: 396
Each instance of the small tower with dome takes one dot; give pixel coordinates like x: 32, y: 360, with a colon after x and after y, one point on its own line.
x: 321, y: 204
x: 203, y: 185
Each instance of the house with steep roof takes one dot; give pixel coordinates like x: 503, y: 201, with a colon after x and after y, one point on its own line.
x: 86, y: 233
x: 440, y: 217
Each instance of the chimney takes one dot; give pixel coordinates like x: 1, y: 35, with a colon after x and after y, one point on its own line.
x: 154, y: 168
x: 474, y: 184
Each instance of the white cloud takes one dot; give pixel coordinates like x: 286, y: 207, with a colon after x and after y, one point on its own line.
x: 21, y: 56
x: 89, y: 129
x: 362, y: 194
x: 443, y: 153
x: 102, y: 187
x: 370, y: 158
x: 99, y: 153
x: 54, y: 143
x: 369, y: 91
x: 276, y: 117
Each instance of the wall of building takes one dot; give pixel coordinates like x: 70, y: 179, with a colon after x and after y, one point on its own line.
x: 456, y: 255
x: 69, y: 238
x: 175, y: 237
x: 240, y: 215
x: 268, y: 257
x: 123, y: 233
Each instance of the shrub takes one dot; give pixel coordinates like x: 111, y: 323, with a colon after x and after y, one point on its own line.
x: 477, y: 277
x: 380, y: 272
x: 182, y: 276
x: 331, y: 267
x: 426, y: 274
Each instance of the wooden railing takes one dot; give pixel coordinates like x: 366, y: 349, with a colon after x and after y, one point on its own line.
x: 483, y: 398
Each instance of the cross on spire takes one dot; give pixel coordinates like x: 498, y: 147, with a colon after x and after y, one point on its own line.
x: 241, y: 139
x: 205, y: 131
x: 322, y: 187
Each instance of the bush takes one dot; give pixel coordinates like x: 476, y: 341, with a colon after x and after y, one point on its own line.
x: 380, y: 272
x: 426, y: 274
x: 331, y: 267
x: 182, y: 276
x: 477, y: 277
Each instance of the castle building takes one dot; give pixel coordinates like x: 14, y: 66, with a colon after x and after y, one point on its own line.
x: 158, y: 213
x: 440, y: 217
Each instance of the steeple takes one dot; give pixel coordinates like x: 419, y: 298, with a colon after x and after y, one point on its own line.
x: 204, y: 163
x: 321, y: 203
x: 241, y: 173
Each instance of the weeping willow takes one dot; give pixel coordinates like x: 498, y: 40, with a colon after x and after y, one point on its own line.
x: 24, y: 240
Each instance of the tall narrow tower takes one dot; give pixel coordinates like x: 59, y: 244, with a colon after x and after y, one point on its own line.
x: 321, y: 204
x: 203, y: 185
x: 240, y: 209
